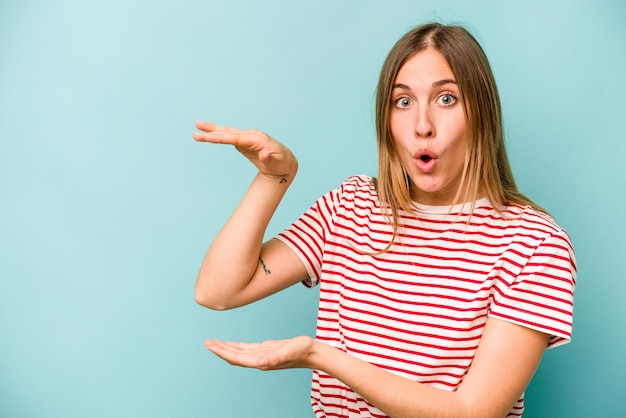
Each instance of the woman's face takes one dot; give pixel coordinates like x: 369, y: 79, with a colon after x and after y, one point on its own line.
x: 428, y: 126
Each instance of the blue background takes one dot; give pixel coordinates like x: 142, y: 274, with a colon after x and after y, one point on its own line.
x: 107, y: 204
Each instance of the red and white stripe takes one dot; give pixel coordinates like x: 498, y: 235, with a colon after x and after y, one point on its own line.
x: 418, y: 310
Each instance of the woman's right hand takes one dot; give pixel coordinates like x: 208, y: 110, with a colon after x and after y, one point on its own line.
x: 235, y: 269
x: 271, y: 158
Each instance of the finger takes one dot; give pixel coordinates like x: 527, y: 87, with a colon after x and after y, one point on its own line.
x: 210, y: 126
x: 240, y: 139
x: 215, y: 137
x: 242, y: 346
x: 264, y: 362
x: 235, y: 347
x: 243, y: 358
x: 204, y: 126
x: 265, y: 156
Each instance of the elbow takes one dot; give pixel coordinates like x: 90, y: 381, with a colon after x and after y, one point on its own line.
x: 205, y: 294
x: 470, y: 408
x: 212, y: 303
x: 213, y: 294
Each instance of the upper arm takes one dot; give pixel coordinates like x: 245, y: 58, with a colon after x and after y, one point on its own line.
x: 506, y: 359
x: 278, y: 267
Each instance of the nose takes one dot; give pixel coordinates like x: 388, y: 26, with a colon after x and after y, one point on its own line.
x: 424, y: 126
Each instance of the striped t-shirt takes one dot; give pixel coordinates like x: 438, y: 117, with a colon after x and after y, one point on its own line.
x: 418, y: 309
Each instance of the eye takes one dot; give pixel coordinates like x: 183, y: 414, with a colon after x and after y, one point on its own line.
x: 402, y: 102
x: 447, y: 99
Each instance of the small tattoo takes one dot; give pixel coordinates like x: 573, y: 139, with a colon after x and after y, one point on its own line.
x: 265, y: 269
x: 284, y: 180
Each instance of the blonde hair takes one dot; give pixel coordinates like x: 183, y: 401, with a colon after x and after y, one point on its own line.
x: 486, y: 168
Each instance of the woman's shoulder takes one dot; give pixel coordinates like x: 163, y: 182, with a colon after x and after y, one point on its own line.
x: 359, y: 184
x: 525, y: 225
x: 356, y: 190
x: 360, y: 181
x: 532, y: 219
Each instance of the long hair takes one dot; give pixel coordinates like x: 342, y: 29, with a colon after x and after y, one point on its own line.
x: 486, y: 168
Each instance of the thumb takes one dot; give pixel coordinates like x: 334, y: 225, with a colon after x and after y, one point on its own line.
x: 263, y: 361
x: 265, y: 156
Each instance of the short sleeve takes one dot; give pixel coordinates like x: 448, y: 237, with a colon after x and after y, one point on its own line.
x: 542, y: 296
x: 307, y: 235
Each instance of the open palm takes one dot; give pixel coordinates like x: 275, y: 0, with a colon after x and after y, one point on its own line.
x: 268, y: 355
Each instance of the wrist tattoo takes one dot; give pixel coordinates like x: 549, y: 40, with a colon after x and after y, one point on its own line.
x: 265, y: 269
x: 283, y: 180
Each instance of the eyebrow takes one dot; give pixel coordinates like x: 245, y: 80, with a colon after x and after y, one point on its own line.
x: 435, y: 84
x: 442, y: 82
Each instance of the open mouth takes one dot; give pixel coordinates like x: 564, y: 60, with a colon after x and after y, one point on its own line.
x: 425, y: 160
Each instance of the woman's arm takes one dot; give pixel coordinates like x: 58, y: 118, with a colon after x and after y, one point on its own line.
x: 238, y: 268
x: 505, y: 361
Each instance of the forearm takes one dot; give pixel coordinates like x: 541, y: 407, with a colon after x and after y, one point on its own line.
x: 501, y: 369
x: 396, y: 396
x: 233, y: 257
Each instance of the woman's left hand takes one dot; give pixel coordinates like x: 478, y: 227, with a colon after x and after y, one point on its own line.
x: 269, y: 355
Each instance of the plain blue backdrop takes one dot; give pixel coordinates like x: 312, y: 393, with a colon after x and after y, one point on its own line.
x: 107, y: 204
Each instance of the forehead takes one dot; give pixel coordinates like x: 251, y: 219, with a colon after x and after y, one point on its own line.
x: 426, y: 66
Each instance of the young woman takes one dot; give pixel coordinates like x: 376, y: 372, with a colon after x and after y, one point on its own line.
x: 441, y: 285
